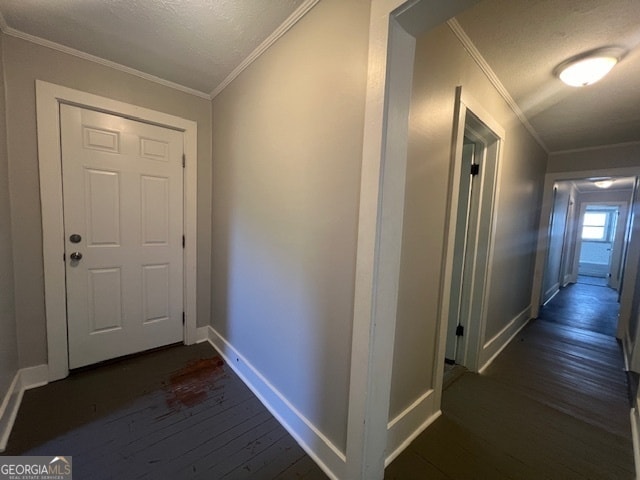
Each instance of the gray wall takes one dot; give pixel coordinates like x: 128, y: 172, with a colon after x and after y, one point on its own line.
x: 8, y: 339
x: 24, y: 63
x: 441, y: 65
x: 287, y: 149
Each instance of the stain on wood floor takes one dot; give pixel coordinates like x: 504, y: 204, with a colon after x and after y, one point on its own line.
x: 553, y: 405
x: 177, y: 413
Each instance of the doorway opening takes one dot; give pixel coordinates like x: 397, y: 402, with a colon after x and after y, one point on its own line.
x: 601, y: 244
x: 49, y: 97
x: 588, y: 237
x: 476, y: 161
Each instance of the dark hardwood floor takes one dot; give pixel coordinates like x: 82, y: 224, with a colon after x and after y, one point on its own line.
x: 553, y: 405
x: 585, y: 306
x: 176, y: 413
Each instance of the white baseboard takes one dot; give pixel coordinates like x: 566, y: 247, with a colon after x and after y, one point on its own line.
x: 202, y: 334
x: 635, y: 428
x: 329, y: 457
x: 24, y: 379
x: 402, y: 430
x: 9, y: 410
x: 494, y: 347
x: 552, y: 292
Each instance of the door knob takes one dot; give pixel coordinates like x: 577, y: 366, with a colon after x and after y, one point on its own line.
x: 76, y: 256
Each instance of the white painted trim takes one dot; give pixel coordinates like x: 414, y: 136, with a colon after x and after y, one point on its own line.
x: 635, y: 437
x: 594, y: 148
x: 489, y: 220
x: 486, y: 232
x: 555, y: 289
x: 475, y: 54
x: 32, y: 377
x: 379, y: 242
x: 101, y: 61
x: 551, y: 292
x: 393, y: 25
x: 328, y: 456
x: 393, y: 455
x: 402, y: 429
x: 9, y: 410
x: 300, y: 12
x: 202, y: 334
x: 498, y: 343
x: 625, y: 353
x: 24, y: 379
x: 48, y: 98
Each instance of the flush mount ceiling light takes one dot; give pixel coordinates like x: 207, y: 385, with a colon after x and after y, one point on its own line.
x: 603, y: 182
x: 590, y: 67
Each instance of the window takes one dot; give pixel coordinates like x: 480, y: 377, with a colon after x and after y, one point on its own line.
x: 594, y: 226
x: 598, y: 225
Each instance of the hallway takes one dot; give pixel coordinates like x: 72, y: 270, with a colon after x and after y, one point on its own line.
x: 554, y: 404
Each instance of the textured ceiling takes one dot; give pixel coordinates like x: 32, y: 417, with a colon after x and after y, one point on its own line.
x: 194, y: 43
x: 198, y: 44
x: 524, y: 40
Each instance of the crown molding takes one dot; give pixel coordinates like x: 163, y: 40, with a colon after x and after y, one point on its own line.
x: 596, y: 147
x: 300, y: 12
x: 95, y: 59
x: 459, y: 32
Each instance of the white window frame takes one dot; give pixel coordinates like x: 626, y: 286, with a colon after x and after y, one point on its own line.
x: 606, y: 236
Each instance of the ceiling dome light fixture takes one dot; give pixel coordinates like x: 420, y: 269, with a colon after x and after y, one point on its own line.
x: 590, y: 67
x: 603, y: 183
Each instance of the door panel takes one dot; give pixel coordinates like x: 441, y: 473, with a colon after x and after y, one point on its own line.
x: 123, y: 194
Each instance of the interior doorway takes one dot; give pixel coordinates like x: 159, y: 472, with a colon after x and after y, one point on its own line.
x: 49, y: 98
x: 601, y: 243
x: 588, y: 238
x: 588, y: 233
x: 476, y: 160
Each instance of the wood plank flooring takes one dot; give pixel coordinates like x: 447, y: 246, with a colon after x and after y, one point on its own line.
x: 553, y: 405
x: 585, y: 306
x: 177, y: 413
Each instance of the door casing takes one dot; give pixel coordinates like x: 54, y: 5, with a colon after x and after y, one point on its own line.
x: 48, y: 98
x: 476, y: 352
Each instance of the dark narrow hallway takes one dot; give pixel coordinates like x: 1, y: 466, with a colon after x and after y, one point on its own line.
x: 554, y: 404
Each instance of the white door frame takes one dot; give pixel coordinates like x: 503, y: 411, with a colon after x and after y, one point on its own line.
x: 393, y: 28
x: 474, y: 341
x: 48, y: 98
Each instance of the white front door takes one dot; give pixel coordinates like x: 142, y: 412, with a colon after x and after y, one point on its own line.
x: 123, y: 222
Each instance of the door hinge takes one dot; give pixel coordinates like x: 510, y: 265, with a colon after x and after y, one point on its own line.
x: 475, y: 169
x: 64, y: 257
x: 184, y: 241
x: 459, y: 331
x: 184, y: 318
x: 184, y: 160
